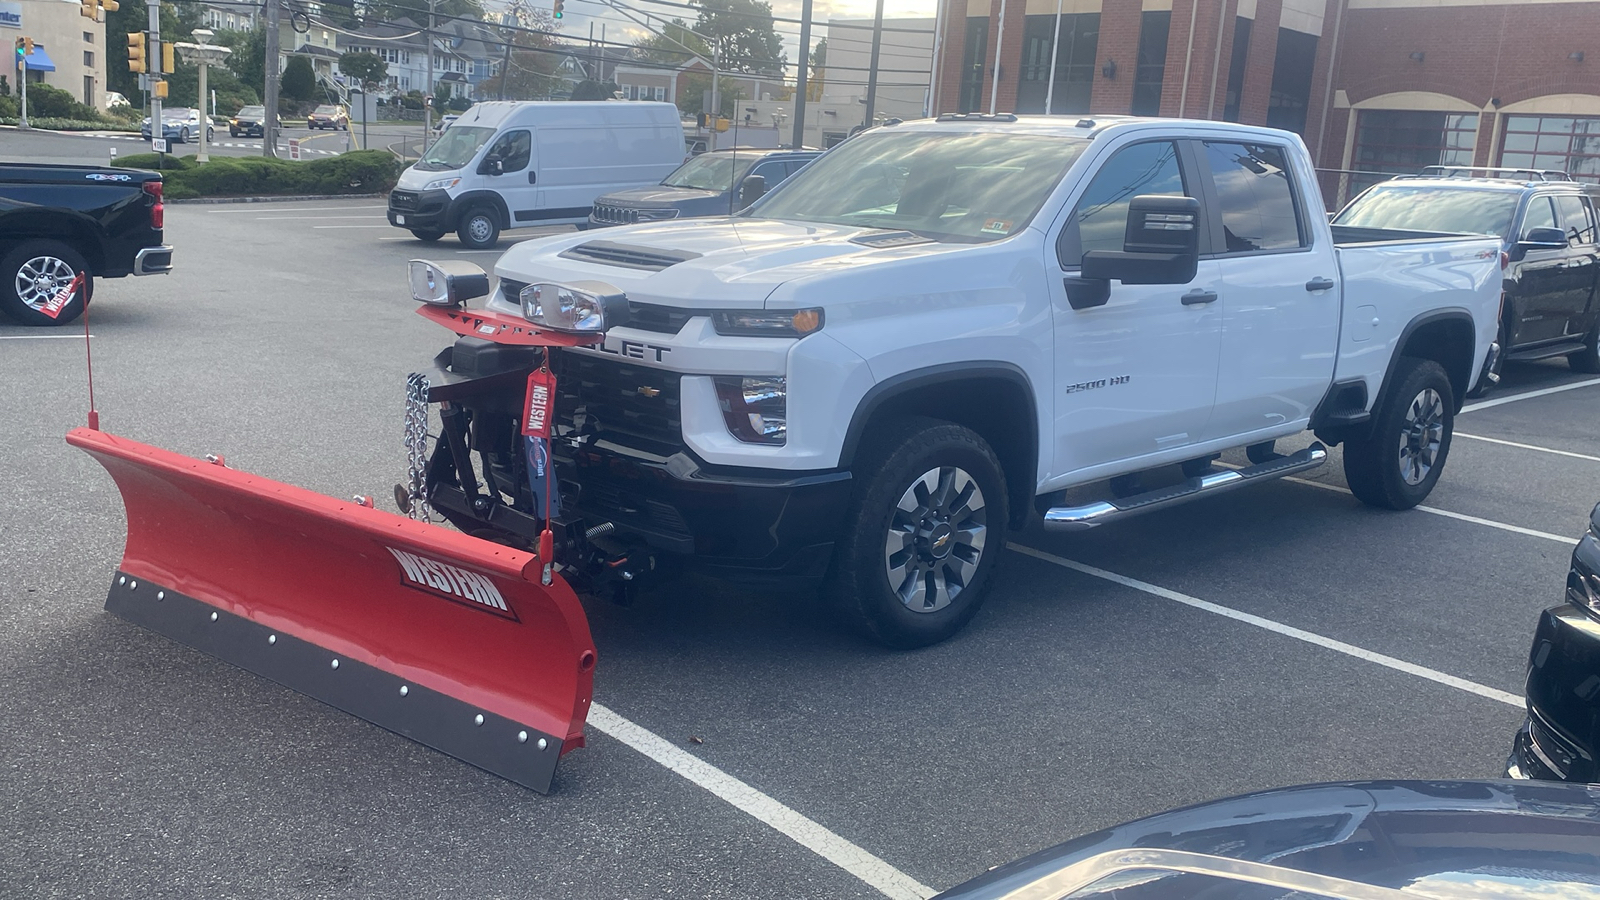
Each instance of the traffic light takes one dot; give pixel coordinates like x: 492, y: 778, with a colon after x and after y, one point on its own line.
x: 159, y: 89
x: 90, y: 9
x: 169, y: 57
x: 137, y: 60
x: 559, y: 5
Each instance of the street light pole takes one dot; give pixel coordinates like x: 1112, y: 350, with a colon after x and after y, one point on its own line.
x: 269, y: 90
x: 800, y: 87
x: 203, y: 54
x: 427, y: 98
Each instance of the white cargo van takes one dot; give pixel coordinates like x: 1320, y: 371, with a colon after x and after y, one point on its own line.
x: 518, y: 164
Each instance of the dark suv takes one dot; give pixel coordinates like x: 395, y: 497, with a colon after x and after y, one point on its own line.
x: 711, y: 184
x: 1547, y: 222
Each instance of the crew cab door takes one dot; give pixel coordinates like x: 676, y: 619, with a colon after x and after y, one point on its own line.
x: 1280, y: 295
x: 1576, y: 303
x: 1541, y: 281
x: 1136, y: 375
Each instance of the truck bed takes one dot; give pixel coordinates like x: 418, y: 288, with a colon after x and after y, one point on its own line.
x: 1351, y: 235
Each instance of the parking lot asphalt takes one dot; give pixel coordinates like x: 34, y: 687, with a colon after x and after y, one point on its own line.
x: 1267, y: 637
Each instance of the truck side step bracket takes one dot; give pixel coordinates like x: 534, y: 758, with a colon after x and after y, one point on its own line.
x: 1079, y: 518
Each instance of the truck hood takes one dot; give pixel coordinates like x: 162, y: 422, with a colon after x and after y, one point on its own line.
x: 725, y: 262
x: 413, y: 178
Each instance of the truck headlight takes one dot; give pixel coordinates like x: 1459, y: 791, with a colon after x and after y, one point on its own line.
x: 655, y: 215
x: 587, y: 307
x: 449, y: 283
x: 755, y: 407
x: 441, y: 184
x: 767, y: 323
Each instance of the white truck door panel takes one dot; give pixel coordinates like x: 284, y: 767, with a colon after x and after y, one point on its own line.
x: 1279, y: 336
x: 1137, y: 375
x: 514, y: 149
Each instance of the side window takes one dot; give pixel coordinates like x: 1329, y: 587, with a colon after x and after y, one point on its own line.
x: 1576, y: 219
x: 772, y: 172
x: 1100, y: 220
x: 1255, y: 197
x: 1539, y: 215
x: 513, y: 149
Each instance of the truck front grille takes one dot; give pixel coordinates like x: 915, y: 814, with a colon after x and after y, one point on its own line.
x: 613, y: 400
x: 402, y: 200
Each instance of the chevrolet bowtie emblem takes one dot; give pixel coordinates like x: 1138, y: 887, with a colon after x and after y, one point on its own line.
x: 647, y: 391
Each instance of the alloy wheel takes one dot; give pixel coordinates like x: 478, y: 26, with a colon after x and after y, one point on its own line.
x: 1421, y: 435
x: 935, y: 539
x: 41, y: 279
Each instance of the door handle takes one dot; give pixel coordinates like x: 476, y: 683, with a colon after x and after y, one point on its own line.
x: 1320, y: 284
x: 1197, y: 297
x: 533, y: 178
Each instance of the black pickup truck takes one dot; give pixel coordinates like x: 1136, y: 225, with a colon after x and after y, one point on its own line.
x: 57, y: 222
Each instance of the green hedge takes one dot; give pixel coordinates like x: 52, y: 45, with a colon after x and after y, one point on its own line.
x: 357, y: 172
x: 52, y: 124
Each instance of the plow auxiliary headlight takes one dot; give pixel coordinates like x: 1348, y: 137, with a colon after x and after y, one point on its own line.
x: 448, y: 283
x: 583, y: 307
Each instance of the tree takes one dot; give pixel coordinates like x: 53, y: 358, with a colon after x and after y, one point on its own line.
x: 819, y: 71
x: 249, y: 57
x: 593, y: 90
x: 670, y: 48
x: 368, y: 69
x: 299, y: 82
x: 743, y: 33
x: 416, y: 10
x: 692, y: 99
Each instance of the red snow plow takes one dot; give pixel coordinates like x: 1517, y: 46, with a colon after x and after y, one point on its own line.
x: 476, y: 647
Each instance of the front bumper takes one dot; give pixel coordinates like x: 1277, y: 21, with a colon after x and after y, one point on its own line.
x: 1559, y: 740
x: 745, y: 525
x: 153, y: 261
x: 420, y: 210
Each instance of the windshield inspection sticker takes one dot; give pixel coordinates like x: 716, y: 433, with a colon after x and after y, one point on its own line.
x: 996, y: 226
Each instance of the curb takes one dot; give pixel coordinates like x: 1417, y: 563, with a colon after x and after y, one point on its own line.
x: 213, y: 200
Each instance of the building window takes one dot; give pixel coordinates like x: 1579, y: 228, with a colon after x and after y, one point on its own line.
x: 1241, y: 57
x: 1568, y: 143
x: 88, y: 37
x: 1074, y: 63
x: 1401, y: 142
x: 88, y: 59
x: 661, y: 92
x: 1151, y: 66
x: 972, y: 58
x: 88, y: 90
x: 1291, y: 80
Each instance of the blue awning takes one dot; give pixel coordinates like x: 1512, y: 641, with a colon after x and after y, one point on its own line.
x: 39, y: 61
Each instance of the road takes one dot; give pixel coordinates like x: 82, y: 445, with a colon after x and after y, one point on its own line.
x: 1267, y: 637
x: 94, y: 148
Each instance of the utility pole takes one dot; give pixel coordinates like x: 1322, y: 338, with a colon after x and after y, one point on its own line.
x: 269, y: 92
x: 157, y: 127
x: 22, y: 77
x: 872, y: 67
x: 427, y: 99
x: 800, y: 79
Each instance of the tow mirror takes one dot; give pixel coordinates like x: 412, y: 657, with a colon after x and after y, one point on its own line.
x: 1160, y: 246
x: 751, y: 189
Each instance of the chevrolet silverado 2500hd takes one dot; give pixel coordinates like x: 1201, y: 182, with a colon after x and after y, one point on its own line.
x: 925, y: 337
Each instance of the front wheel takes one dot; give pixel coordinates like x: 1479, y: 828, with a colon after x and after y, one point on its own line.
x: 34, y: 274
x: 479, y: 228
x: 925, y: 528
x: 428, y: 236
x: 1398, y: 462
x: 1587, y: 359
x: 183, y: 135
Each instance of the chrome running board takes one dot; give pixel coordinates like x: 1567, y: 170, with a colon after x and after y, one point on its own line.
x: 1080, y: 518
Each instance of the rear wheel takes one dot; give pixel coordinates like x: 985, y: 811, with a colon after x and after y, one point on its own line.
x: 1396, y: 465
x: 1587, y: 359
x: 428, y: 235
x: 34, y: 274
x: 923, y: 533
x: 183, y: 135
x: 479, y: 228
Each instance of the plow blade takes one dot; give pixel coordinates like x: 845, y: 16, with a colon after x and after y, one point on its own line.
x: 438, y: 636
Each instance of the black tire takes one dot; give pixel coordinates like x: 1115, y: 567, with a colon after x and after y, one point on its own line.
x: 233, y: 132
x: 183, y: 135
x: 47, y: 261
x: 428, y: 236
x: 1397, y: 464
x: 951, y: 535
x: 1588, y: 359
x: 479, y: 227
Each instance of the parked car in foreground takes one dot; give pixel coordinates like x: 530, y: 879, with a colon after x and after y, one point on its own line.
x: 1561, y: 738
x: 711, y: 184
x: 249, y: 121
x: 925, y: 337
x: 328, y: 116
x: 57, y: 222
x: 1444, y: 840
x: 181, y: 124
x: 1548, y: 230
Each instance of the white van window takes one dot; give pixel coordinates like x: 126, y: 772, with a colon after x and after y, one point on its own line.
x: 513, y: 149
x: 455, y: 148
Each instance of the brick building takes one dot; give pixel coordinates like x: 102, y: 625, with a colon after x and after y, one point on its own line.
x: 1374, y: 86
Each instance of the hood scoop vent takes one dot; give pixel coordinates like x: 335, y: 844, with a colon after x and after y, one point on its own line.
x: 627, y: 256
x: 890, y: 239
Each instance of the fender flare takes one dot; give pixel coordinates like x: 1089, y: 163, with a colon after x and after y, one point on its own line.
x: 1454, y: 313
x: 460, y: 205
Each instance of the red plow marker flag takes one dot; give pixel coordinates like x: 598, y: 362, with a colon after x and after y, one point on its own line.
x: 444, y: 638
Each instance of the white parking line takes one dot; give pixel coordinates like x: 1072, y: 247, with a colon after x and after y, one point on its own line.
x: 352, y: 226
x: 1490, y: 440
x: 313, y: 218
x: 41, y: 337
x: 254, y: 209
x: 877, y: 874
x: 1529, y: 395
x: 1390, y: 662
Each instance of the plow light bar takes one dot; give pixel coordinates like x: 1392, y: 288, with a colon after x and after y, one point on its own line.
x: 583, y: 307
x: 448, y: 283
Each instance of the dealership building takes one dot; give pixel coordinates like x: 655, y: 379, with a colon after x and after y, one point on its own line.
x: 68, y: 49
x: 1374, y: 86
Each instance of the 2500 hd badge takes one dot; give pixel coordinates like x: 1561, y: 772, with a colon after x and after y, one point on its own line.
x: 1104, y: 382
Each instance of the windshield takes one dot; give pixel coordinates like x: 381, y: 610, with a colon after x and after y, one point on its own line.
x: 455, y: 148
x: 327, y: 111
x: 252, y: 112
x: 711, y: 172
x: 1432, y: 208
x: 966, y: 187
x: 175, y: 115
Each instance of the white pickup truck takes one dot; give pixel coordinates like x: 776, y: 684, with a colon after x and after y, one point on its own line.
x: 929, y: 334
